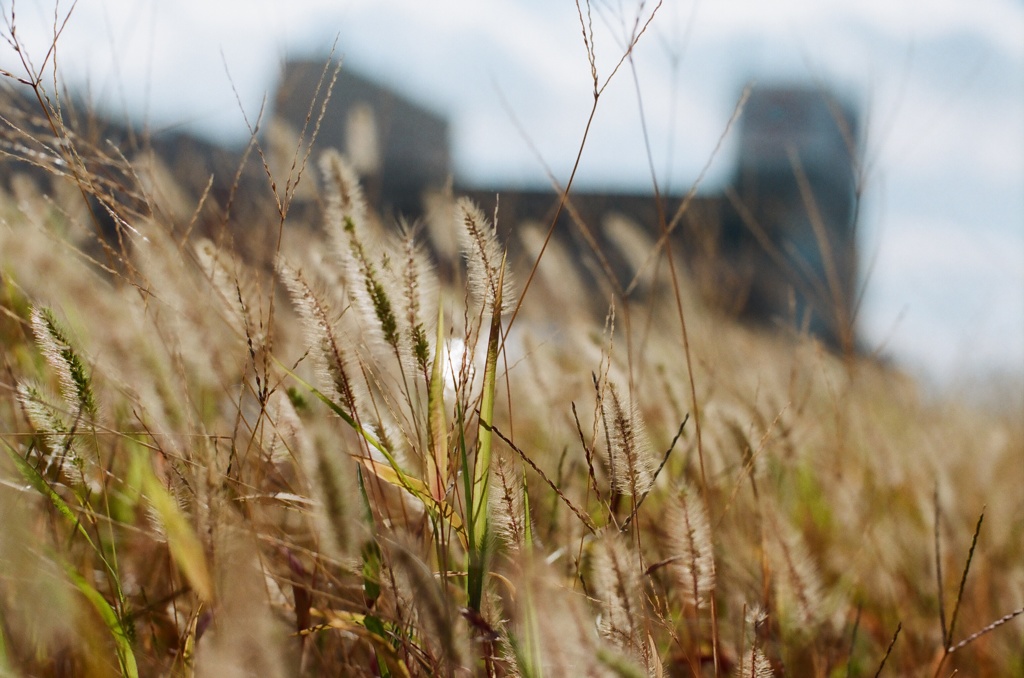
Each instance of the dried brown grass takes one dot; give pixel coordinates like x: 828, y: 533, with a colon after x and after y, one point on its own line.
x: 213, y: 467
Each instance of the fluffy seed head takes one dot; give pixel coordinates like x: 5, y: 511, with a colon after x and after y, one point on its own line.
x: 418, y: 285
x: 484, y: 256
x: 508, y: 504
x: 630, y: 461
x: 754, y: 664
x: 325, y: 343
x: 798, y: 585
x: 616, y: 582
x: 50, y: 427
x: 226, y: 283
x: 346, y: 205
x: 75, y: 382
x: 367, y: 268
x: 689, y: 539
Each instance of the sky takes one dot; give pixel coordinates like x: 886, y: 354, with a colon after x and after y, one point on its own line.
x: 941, y: 83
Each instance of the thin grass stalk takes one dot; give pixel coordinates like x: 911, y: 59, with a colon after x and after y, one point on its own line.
x: 832, y: 286
x: 853, y: 642
x: 938, y: 571
x: 1010, y: 616
x: 585, y: 519
x: 667, y: 227
x: 527, y: 645
x: 888, y: 650
x: 947, y: 641
x: 963, y: 582
x: 687, y: 353
x: 527, y: 519
x: 598, y: 90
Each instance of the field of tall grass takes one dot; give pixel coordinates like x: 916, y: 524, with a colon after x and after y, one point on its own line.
x: 313, y: 447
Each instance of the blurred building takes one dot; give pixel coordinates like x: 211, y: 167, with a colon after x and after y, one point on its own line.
x: 789, y: 228
x: 398, y: 147
x: 778, y: 244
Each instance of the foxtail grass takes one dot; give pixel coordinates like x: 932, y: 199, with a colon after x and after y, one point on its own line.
x: 390, y: 470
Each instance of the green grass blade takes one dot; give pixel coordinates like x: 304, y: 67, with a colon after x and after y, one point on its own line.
x: 375, y: 626
x: 437, y: 456
x: 122, y: 639
x: 186, y: 549
x: 479, y: 523
x: 527, y: 522
x: 126, y: 657
x: 619, y: 665
x: 527, y: 649
x: 5, y: 665
x: 40, y: 485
